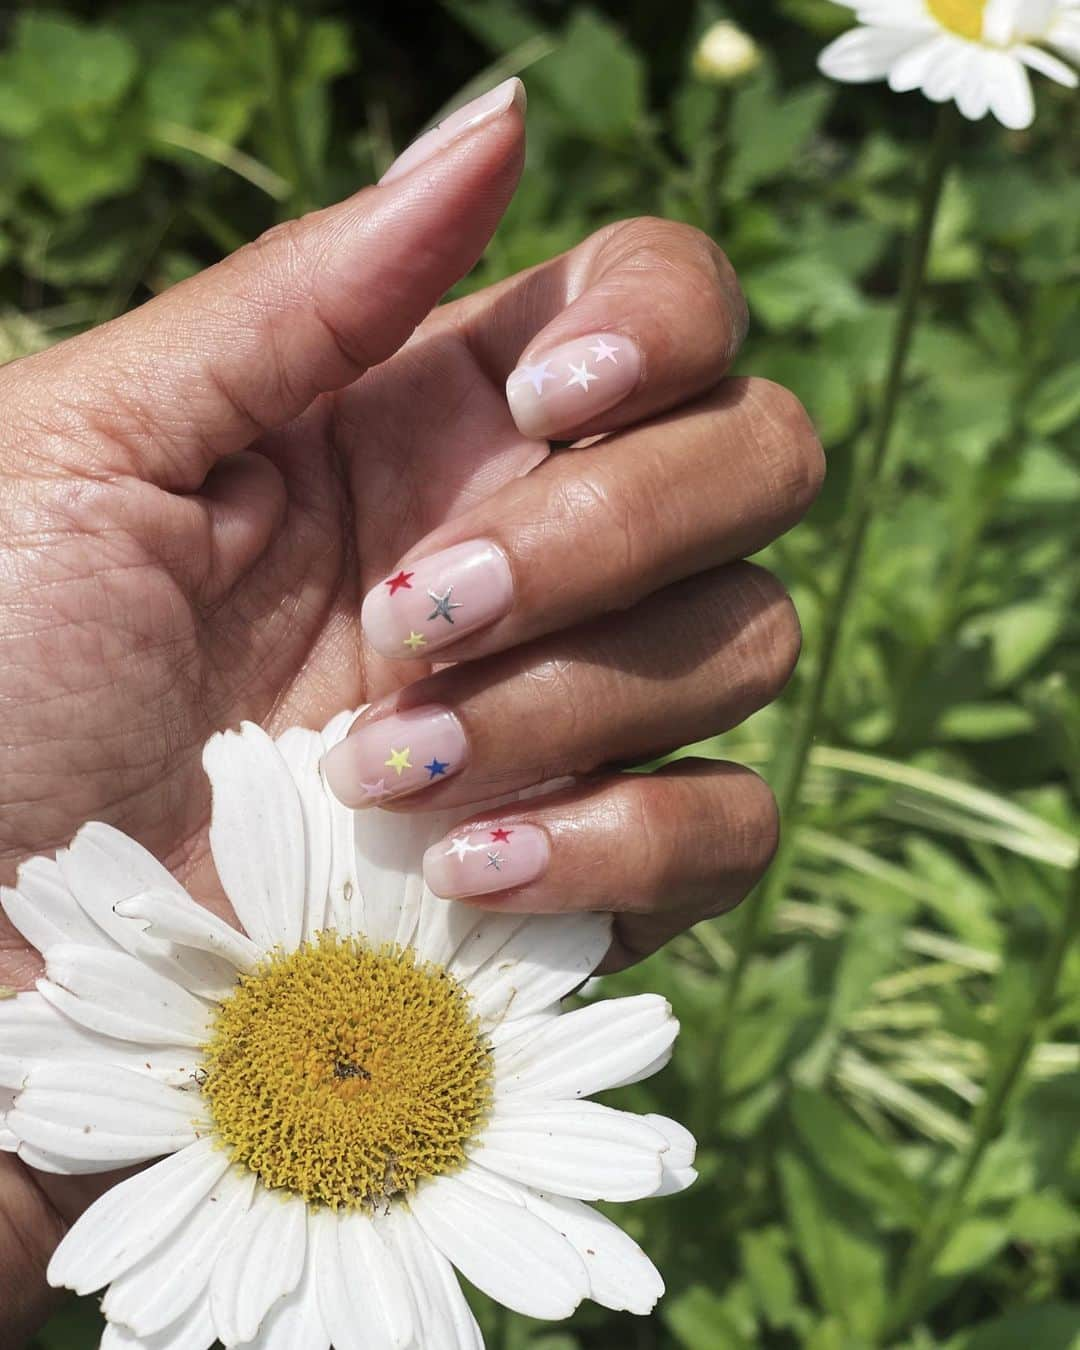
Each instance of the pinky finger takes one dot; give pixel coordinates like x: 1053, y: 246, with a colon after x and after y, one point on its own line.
x: 661, y: 851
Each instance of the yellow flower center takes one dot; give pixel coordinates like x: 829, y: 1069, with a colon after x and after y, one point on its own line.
x: 959, y: 16
x: 347, y: 1075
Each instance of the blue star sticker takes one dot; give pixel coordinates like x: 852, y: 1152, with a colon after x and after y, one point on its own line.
x: 435, y: 768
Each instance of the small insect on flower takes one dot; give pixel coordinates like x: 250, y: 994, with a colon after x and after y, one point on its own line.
x: 974, y: 52
x: 366, y: 1086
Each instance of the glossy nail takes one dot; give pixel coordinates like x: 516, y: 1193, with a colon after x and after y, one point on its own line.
x: 480, y: 861
x: 438, y: 599
x: 483, y: 109
x: 395, y: 755
x: 567, y: 386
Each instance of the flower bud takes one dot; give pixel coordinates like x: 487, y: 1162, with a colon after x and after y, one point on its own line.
x: 725, y: 53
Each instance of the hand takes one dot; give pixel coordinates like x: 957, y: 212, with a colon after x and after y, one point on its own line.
x: 190, y: 517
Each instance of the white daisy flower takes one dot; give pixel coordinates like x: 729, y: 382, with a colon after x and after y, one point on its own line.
x: 365, y: 1088
x: 975, y: 52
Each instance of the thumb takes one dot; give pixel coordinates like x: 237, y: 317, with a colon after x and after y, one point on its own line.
x: 199, y: 371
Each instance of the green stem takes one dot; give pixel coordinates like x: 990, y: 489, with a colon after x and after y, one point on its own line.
x: 863, y: 501
x: 295, y: 167
x: 990, y: 1118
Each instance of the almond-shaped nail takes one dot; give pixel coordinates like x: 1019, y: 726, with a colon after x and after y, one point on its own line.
x: 483, y: 109
x: 395, y: 755
x: 569, y: 385
x: 436, y: 600
x: 480, y: 861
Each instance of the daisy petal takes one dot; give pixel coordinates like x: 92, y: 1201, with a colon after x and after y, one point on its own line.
x: 580, y: 1149
x: 543, y: 961
x: 168, y: 917
x: 508, y: 1253
x: 296, y: 1323
x: 162, y: 1287
x: 33, y: 1031
x: 42, y: 908
x: 1011, y: 99
x: 912, y: 69
x: 257, y: 835
x: 866, y: 54
x: 363, y: 1298
x: 1046, y: 65
x: 621, y: 1276
x: 444, y: 1319
x: 588, y: 1050
x: 261, y: 1263
x: 193, y: 1332
x: 1064, y: 34
x: 391, y: 888
x: 678, y: 1161
x: 116, y: 995
x: 134, y: 1218
x: 86, y: 1112
x: 302, y: 752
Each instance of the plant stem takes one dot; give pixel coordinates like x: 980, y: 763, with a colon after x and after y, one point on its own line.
x: 295, y: 167
x: 989, y: 1119
x: 863, y: 500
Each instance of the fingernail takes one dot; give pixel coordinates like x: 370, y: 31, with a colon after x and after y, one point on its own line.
x: 482, y: 109
x: 480, y: 861
x: 438, y: 599
x: 569, y: 385
x: 395, y: 755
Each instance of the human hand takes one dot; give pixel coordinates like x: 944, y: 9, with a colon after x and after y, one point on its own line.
x: 191, y: 515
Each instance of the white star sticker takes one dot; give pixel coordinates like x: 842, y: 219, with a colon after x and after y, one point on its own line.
x: 603, y: 351
x: 460, y: 847
x: 581, y: 376
x: 534, y: 375
x: 376, y: 790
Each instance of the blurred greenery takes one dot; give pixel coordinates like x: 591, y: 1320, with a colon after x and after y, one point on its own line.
x: 898, y: 984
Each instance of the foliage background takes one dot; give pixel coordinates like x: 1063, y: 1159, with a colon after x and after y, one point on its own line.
x: 835, y: 1103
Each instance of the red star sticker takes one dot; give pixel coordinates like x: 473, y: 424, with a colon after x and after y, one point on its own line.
x: 402, y: 579
x: 501, y: 836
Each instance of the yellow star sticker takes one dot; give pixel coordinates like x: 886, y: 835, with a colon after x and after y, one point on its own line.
x: 399, y: 760
x: 415, y: 640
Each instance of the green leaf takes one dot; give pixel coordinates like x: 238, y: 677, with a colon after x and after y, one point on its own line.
x: 64, y: 65
x: 596, y: 79
x: 1044, y: 1217
x: 701, y: 1320
x: 973, y: 1244
x: 1052, y: 1326
x: 1019, y: 636
x: 825, y: 387
x: 768, y: 131
x: 1055, y: 404
x: 985, y: 721
x: 76, y: 161
x: 770, y: 1275
x: 800, y: 290
x: 846, y: 1265
x: 854, y: 1158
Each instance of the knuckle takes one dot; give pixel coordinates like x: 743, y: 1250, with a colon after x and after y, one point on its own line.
x: 787, y: 442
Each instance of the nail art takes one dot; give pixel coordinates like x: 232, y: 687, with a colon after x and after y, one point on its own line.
x: 482, y: 109
x: 486, y: 859
x: 395, y: 755
x: 572, y: 383
x: 439, y: 600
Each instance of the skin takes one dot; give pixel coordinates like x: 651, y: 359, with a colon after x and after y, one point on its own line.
x: 197, y: 496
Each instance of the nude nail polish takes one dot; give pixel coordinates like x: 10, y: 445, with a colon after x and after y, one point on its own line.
x: 483, y: 109
x: 395, y: 755
x: 436, y: 600
x: 568, y: 386
x: 487, y: 859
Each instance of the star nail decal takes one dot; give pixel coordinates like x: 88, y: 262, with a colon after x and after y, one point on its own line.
x: 604, y: 351
x: 581, y: 376
x: 534, y: 375
x: 403, y: 579
x: 495, y: 859
x: 460, y: 848
x: 436, y: 767
x: 377, y: 790
x: 414, y: 640
x: 501, y: 836
x: 443, y: 605
x: 399, y: 760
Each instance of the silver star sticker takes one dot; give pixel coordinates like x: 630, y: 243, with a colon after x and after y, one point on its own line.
x: 581, y: 376
x: 534, y: 375
x: 495, y: 860
x: 443, y: 605
x: 604, y: 351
